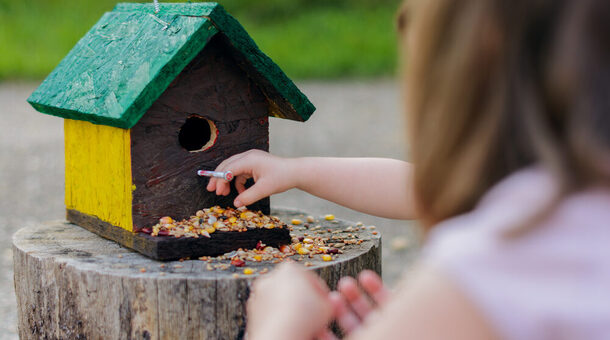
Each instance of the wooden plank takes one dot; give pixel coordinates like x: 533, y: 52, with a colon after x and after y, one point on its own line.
x: 171, y: 248
x: 98, y: 171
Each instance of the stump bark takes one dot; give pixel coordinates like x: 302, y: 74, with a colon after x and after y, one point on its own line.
x: 72, y: 284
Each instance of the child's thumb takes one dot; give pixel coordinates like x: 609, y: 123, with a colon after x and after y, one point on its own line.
x: 249, y: 196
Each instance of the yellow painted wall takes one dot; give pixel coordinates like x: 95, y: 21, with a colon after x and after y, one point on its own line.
x: 98, y: 171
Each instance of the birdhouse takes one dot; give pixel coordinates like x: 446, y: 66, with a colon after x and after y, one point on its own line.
x: 148, y: 98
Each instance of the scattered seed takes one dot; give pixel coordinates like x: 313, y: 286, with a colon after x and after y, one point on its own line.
x: 143, y: 270
x: 248, y: 271
x: 327, y: 257
x: 237, y: 262
x: 208, y: 221
x: 329, y: 217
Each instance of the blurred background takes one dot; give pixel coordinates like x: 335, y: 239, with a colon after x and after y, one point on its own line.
x: 321, y: 39
x: 341, y: 54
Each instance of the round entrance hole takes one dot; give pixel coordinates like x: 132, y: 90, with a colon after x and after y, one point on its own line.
x: 197, y: 134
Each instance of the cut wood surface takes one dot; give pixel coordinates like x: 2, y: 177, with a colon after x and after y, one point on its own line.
x: 72, y: 284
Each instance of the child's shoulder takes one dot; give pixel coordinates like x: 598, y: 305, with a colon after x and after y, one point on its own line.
x: 552, y: 275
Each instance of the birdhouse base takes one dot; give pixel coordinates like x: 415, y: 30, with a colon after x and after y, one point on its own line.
x: 172, y: 248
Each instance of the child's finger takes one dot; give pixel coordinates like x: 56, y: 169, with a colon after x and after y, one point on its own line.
x: 373, y: 286
x: 250, y: 195
x: 211, y: 185
x: 345, y: 317
x: 221, y: 188
x: 224, y: 166
x: 239, y: 169
x: 348, y: 287
x: 316, y: 282
x: 240, y: 183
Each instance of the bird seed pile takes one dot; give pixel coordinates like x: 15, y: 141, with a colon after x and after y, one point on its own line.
x: 309, y: 242
x: 210, y: 220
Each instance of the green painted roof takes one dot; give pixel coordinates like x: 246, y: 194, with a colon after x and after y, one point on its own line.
x: 127, y: 60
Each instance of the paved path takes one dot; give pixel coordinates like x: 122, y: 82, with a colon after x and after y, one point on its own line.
x: 353, y: 119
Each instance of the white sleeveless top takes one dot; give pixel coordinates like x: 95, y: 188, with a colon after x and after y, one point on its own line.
x: 551, y: 283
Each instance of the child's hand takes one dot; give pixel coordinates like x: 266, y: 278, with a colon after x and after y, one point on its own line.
x: 289, y: 303
x: 271, y: 175
x: 350, y: 304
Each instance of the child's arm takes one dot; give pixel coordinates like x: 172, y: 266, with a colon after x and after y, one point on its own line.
x: 375, y: 186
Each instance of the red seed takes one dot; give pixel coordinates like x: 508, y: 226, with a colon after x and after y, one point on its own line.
x: 237, y: 262
x: 260, y: 245
x: 163, y: 233
x: 333, y: 251
x: 285, y: 248
x: 146, y: 230
x: 301, y: 238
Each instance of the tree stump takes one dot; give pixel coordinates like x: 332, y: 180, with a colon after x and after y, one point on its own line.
x: 72, y: 284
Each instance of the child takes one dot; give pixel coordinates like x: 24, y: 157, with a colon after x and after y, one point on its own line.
x: 508, y: 107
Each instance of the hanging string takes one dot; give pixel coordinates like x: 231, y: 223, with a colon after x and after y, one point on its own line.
x: 156, y: 3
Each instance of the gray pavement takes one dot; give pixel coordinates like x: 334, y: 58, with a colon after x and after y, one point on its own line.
x: 353, y: 119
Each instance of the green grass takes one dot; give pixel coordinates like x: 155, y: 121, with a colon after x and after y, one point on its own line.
x: 307, y: 38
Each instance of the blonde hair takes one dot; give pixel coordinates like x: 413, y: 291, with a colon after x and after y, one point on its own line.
x: 494, y: 86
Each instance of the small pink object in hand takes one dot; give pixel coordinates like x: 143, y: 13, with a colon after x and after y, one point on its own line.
x: 226, y: 175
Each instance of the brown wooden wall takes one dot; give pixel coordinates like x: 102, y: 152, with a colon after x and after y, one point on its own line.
x: 212, y: 86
